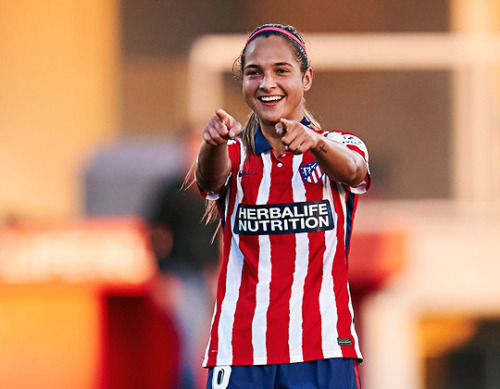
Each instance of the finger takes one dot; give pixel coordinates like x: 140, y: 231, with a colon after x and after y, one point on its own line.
x: 208, y: 139
x: 295, y: 147
x: 282, y: 127
x: 234, y: 127
x: 215, y: 132
x: 287, y: 123
x: 218, y: 135
x: 224, y: 117
x: 219, y: 126
x: 295, y: 144
x: 300, y: 149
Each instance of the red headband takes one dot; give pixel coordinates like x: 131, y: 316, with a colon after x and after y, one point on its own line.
x: 280, y: 30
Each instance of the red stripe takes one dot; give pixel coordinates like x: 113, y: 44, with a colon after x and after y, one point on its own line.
x: 356, y: 373
x: 311, y: 336
x: 282, y: 254
x: 278, y: 315
x: 214, y: 338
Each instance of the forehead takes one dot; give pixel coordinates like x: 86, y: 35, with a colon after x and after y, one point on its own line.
x: 271, y: 49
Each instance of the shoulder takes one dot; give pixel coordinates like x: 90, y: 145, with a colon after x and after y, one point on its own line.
x: 343, y: 136
x: 348, y: 139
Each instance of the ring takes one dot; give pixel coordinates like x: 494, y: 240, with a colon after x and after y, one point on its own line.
x: 298, y: 147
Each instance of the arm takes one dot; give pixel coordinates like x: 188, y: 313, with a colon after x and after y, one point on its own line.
x: 337, y: 161
x: 214, y: 165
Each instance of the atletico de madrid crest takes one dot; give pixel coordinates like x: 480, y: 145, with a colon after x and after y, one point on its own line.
x: 311, y: 173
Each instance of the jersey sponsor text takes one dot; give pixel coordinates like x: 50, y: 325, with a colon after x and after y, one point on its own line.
x: 288, y: 218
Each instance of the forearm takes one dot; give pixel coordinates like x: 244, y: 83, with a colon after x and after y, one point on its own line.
x: 213, y: 166
x: 339, y: 162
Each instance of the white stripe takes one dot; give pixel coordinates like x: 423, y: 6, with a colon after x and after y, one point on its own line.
x: 262, y: 294
x: 314, y: 176
x: 327, y: 304
x: 300, y: 272
x: 353, y: 329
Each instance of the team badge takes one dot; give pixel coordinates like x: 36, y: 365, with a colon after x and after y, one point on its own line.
x: 311, y: 173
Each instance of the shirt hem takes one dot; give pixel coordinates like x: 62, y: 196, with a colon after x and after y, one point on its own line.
x: 293, y: 359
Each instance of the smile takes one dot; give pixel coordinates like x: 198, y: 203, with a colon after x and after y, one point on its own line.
x: 267, y: 99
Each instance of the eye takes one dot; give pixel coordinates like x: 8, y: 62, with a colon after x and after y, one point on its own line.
x: 282, y: 71
x: 251, y: 73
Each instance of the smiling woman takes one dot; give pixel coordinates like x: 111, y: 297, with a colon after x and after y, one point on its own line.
x: 286, y: 192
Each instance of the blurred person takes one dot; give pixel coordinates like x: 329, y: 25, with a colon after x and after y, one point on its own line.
x: 286, y: 193
x: 187, y: 259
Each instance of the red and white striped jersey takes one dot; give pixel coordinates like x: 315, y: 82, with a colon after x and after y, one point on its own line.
x: 283, y: 294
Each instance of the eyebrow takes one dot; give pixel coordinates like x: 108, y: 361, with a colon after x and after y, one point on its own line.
x: 274, y: 64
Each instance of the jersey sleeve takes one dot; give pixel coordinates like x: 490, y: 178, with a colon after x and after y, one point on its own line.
x: 234, y: 151
x: 354, y: 143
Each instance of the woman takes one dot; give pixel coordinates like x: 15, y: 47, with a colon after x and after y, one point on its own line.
x: 286, y: 192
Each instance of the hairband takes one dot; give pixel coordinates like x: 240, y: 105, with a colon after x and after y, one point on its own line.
x: 280, y: 30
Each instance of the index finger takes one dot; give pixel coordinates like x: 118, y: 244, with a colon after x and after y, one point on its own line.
x: 281, y: 127
x: 231, y: 123
x: 224, y: 117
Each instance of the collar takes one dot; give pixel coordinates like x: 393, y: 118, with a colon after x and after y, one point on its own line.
x: 261, y: 143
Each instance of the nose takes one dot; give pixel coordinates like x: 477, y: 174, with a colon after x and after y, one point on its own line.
x: 267, y: 82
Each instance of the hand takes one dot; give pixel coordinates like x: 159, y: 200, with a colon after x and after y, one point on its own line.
x: 221, y: 128
x: 296, y: 137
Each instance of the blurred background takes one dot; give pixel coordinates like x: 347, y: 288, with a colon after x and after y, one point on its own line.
x: 100, y: 104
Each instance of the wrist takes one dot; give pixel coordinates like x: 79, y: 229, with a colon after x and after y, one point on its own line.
x: 320, y: 146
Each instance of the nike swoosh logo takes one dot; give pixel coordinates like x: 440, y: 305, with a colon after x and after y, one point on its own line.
x: 241, y: 174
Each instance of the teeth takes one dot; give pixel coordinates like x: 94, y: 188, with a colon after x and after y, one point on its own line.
x: 270, y: 98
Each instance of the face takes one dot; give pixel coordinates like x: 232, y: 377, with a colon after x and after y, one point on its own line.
x: 273, y: 85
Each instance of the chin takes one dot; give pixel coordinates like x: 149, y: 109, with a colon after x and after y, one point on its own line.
x: 270, y: 121
x: 271, y: 117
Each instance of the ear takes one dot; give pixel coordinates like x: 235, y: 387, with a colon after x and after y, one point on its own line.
x: 307, y: 79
